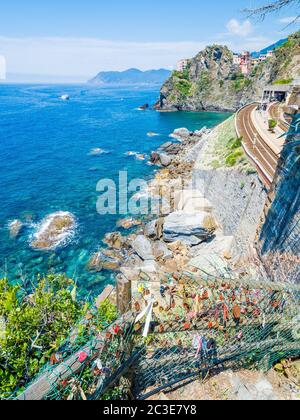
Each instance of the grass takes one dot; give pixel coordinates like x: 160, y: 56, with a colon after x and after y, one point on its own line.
x: 283, y: 81
x: 226, y: 149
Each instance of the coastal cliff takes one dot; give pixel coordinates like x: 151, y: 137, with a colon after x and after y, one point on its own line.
x: 213, y: 82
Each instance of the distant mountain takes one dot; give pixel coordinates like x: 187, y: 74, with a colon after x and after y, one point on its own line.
x: 270, y: 48
x: 131, y: 77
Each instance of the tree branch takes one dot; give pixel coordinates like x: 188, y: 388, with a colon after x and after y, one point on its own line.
x: 270, y: 8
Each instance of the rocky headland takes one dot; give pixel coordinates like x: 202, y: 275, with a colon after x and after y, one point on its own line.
x: 213, y: 82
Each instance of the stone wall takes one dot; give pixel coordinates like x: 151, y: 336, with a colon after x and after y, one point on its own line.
x: 279, y: 236
x: 238, y: 200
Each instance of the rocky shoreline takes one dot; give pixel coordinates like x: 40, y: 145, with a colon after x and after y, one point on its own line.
x: 184, y: 236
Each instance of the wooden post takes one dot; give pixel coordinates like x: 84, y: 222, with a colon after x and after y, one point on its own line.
x: 124, y: 295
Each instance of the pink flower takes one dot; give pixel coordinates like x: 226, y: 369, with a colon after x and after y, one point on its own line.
x: 82, y: 357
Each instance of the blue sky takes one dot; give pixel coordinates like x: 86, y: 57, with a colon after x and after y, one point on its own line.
x: 80, y: 38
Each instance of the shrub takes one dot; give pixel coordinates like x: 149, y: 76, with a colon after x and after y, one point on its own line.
x: 183, y: 87
x: 234, y: 143
x: 233, y: 158
x: 272, y: 124
x: 107, y: 314
x: 35, y: 327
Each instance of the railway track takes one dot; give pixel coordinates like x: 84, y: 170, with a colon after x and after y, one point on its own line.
x: 255, y: 146
x: 275, y: 113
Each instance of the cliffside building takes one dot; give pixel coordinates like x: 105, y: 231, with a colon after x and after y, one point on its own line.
x: 182, y: 64
x: 245, y: 63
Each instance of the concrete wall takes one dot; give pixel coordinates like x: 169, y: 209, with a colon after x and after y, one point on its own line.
x: 279, y: 236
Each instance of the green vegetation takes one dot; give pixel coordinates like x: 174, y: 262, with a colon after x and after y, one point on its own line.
x: 235, y: 152
x: 272, y: 125
x: 293, y: 41
x: 35, y: 327
x: 240, y: 82
x: 204, y: 83
x: 226, y: 151
x: 182, y: 82
x: 107, y: 314
x: 183, y: 87
x: 283, y: 81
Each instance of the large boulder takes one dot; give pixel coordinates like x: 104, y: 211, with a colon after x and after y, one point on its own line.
x: 181, y: 134
x: 165, y: 159
x: 103, y: 261
x: 154, y: 158
x: 211, y: 265
x: 154, y: 229
x: 192, y: 201
x: 221, y: 246
x: 114, y: 240
x: 55, y: 230
x: 160, y: 159
x: 189, y: 228
x: 161, y: 251
x: 143, y: 248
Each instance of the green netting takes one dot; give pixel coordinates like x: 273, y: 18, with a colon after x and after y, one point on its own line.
x: 197, y: 325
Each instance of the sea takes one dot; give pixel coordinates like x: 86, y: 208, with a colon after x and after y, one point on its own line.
x: 53, y: 154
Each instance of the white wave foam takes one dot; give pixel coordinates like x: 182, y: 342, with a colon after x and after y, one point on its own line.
x: 137, y: 155
x: 55, y: 230
x: 98, y: 151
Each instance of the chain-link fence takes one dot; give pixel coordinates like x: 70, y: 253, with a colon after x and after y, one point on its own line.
x: 181, y: 328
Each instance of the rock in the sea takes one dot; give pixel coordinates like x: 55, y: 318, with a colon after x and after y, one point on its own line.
x: 140, y: 156
x: 143, y: 248
x: 99, y: 261
x: 128, y: 223
x: 189, y: 228
x: 154, y: 158
x: 55, y: 230
x: 180, y: 134
x: 15, y: 228
x: 202, y: 132
x: 165, y: 159
x: 160, y: 159
x: 144, y: 107
x: 114, y: 240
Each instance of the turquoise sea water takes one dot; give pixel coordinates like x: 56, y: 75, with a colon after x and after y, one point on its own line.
x: 46, y: 166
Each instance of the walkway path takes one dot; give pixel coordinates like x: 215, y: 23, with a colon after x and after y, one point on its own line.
x: 274, y: 140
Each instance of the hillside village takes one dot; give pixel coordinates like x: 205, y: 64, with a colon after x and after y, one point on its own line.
x: 244, y: 61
